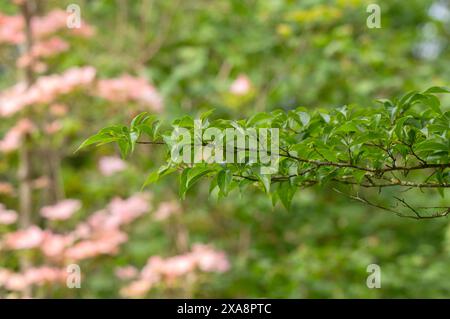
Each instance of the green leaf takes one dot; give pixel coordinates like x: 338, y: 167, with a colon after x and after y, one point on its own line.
x: 433, y: 102
x: 325, y: 117
x: 437, y: 89
x: 206, y: 114
x: 286, y: 192
x: 139, y: 119
x: 224, y: 179
x: 183, y: 182
x: 195, y: 174
x: 304, y: 118
x: 265, y: 179
x: 124, y: 147
x: 153, y: 177
x: 431, y: 145
x: 94, y: 139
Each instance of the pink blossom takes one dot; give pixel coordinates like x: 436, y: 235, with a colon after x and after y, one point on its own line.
x: 98, y: 220
x: 85, y: 30
x: 11, y: 29
x: 129, y: 209
x: 54, y: 21
x: 82, y: 250
x: 13, y: 137
x: 166, y: 209
x: 105, y: 243
x: 32, y: 276
x: 58, y: 109
x: 4, y: 275
x: 241, y: 85
x: 126, y: 273
x: 108, y: 165
x: 154, y: 268
x: 210, y: 260
x: 50, y: 23
x: 43, y: 49
x: 120, y: 212
x: 28, y: 238
x: 127, y: 88
x: 136, y: 289
x: 53, y: 127
x: 202, y: 257
x: 43, y: 275
x: 55, y: 244
x: 62, y: 210
x: 16, y: 282
x: 178, y: 265
x: 7, y: 217
x: 82, y: 231
x: 44, y: 90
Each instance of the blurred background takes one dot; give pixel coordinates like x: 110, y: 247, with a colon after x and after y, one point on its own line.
x: 185, y: 57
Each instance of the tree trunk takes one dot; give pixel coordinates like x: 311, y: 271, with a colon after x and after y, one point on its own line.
x: 25, y: 153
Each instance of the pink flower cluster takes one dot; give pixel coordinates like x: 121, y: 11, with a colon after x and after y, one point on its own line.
x: 12, y: 139
x: 62, y: 210
x: 7, y: 216
x: 127, y: 88
x: 100, y: 234
x: 241, y: 85
x: 109, y: 165
x: 33, y: 276
x: 201, y: 258
x: 42, y: 49
x: 56, y: 20
x: 166, y: 209
x: 29, y: 238
x: 45, y: 89
x: 101, y: 243
x: 120, y: 212
x: 12, y: 27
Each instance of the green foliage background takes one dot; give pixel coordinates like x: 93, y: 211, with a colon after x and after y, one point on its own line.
x: 317, y: 54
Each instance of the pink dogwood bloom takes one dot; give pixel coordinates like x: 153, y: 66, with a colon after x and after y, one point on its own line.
x: 109, y: 165
x: 210, y: 260
x: 241, y: 85
x: 104, y: 243
x: 62, y: 210
x: 7, y: 216
x: 43, y: 49
x: 28, y: 238
x: 136, y: 289
x: 167, y: 209
x: 126, y: 273
x: 127, y: 88
x: 45, y: 90
x: 32, y: 276
x: 13, y: 137
x: 201, y: 258
x: 54, y: 245
x: 11, y: 29
x: 44, y: 274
